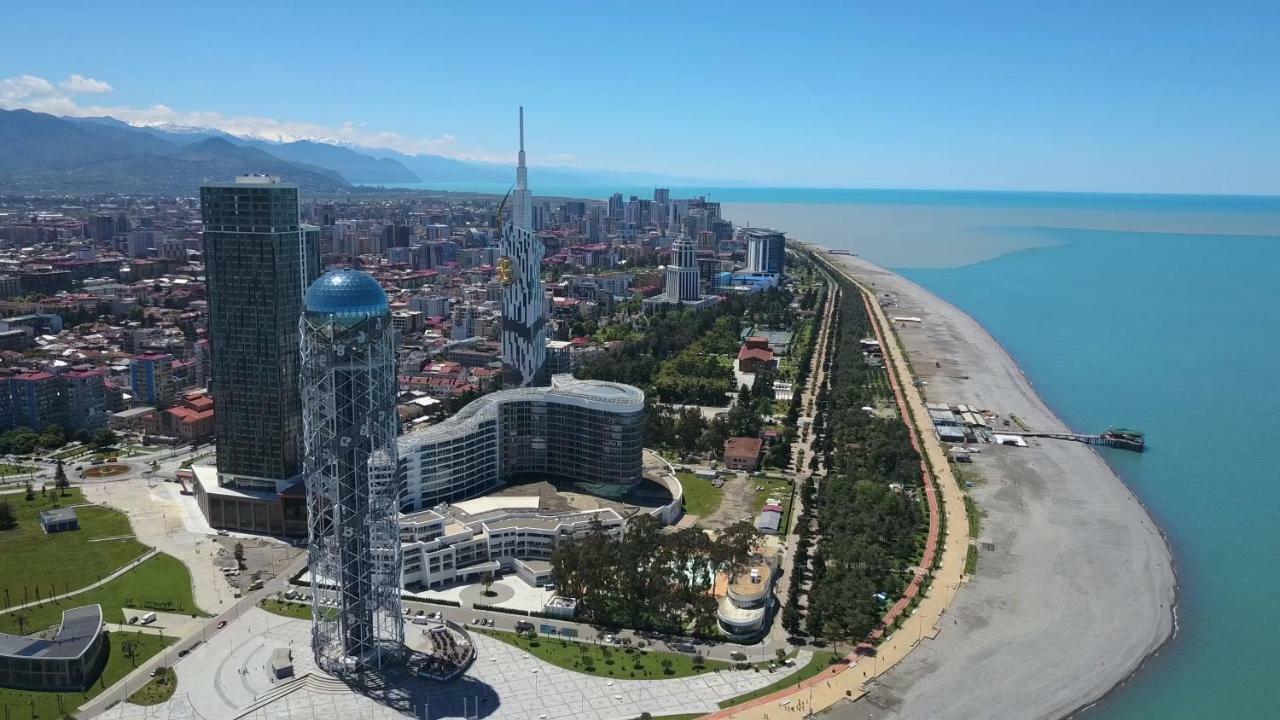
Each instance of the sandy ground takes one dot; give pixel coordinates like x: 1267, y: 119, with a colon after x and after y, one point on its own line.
x: 163, y: 518
x: 1079, y: 587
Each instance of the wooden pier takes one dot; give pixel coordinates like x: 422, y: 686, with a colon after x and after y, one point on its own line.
x: 1121, y: 438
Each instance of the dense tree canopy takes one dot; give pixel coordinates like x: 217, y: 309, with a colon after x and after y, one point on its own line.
x: 649, y: 579
x: 869, y: 533
x: 677, y: 353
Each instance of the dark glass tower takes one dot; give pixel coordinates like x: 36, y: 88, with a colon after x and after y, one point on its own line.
x: 258, y: 263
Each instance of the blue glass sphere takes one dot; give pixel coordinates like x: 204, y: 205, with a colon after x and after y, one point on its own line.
x: 347, y: 295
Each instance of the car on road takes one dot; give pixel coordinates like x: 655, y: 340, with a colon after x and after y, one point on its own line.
x: 222, y: 624
x: 183, y: 652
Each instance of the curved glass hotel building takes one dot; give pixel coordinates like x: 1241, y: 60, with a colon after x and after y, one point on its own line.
x: 588, y: 432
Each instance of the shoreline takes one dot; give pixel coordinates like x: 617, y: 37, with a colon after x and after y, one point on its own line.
x: 1051, y: 502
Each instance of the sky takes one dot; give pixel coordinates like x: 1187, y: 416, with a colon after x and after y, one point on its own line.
x: 1081, y: 96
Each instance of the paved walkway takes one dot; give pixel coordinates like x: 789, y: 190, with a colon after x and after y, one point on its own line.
x: 851, y: 679
x: 208, y: 633
x: 226, y: 676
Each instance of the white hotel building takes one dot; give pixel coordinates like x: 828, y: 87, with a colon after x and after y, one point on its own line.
x: 448, y: 545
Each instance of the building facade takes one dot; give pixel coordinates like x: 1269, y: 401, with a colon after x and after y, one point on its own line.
x: 151, y: 379
x: 86, y: 393
x: 682, y: 274
x: 523, y: 300
x: 447, y: 545
x: 766, y: 251
x: 588, y: 432
x: 36, y: 400
x: 744, y: 610
x: 258, y: 263
x: 350, y: 427
x: 70, y: 661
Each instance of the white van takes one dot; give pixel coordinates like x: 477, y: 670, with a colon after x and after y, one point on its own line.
x: 148, y: 618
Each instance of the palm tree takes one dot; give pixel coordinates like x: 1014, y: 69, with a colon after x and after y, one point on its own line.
x: 486, y: 581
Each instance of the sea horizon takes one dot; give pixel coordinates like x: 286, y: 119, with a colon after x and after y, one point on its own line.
x: 820, y: 194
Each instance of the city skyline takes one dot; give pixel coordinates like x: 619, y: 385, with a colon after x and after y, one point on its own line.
x: 1129, y: 99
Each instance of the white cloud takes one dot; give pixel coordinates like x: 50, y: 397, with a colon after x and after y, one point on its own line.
x: 82, y: 84
x: 37, y: 94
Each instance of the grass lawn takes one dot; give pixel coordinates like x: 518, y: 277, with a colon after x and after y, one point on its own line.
x: 607, y: 660
x: 301, y: 611
x: 26, y: 704
x: 31, y: 559
x: 701, y: 498
x: 158, y: 689
x: 161, y: 583
x: 818, y: 663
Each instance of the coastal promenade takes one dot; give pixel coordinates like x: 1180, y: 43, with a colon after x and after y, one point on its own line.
x: 849, y: 680
x: 1074, y: 586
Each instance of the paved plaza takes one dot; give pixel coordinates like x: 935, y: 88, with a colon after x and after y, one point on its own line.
x: 229, y: 677
x: 512, y: 592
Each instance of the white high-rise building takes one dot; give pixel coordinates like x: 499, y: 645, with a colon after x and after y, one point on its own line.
x: 682, y: 273
x: 524, y: 343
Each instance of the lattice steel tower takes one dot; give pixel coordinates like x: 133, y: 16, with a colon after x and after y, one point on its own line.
x: 350, y: 427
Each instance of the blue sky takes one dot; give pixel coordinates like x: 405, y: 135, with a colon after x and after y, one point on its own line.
x: 1107, y: 96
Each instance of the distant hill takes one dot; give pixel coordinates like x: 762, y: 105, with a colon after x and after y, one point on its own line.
x: 44, y: 153
x: 357, y: 168
x: 437, y: 169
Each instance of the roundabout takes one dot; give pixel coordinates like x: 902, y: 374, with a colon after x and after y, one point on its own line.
x: 103, y: 471
x: 474, y: 594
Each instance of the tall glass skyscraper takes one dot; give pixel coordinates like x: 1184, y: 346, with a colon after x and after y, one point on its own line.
x: 353, y: 493
x: 258, y: 262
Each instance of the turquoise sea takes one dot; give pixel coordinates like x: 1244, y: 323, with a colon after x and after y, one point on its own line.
x: 1177, y: 335
x: 1154, y: 313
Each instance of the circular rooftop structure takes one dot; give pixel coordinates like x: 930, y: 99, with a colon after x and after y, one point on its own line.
x: 347, y: 294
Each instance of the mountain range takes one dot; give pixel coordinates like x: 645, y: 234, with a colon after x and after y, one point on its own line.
x: 46, y: 153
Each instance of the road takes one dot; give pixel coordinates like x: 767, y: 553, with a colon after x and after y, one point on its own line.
x: 140, y: 676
